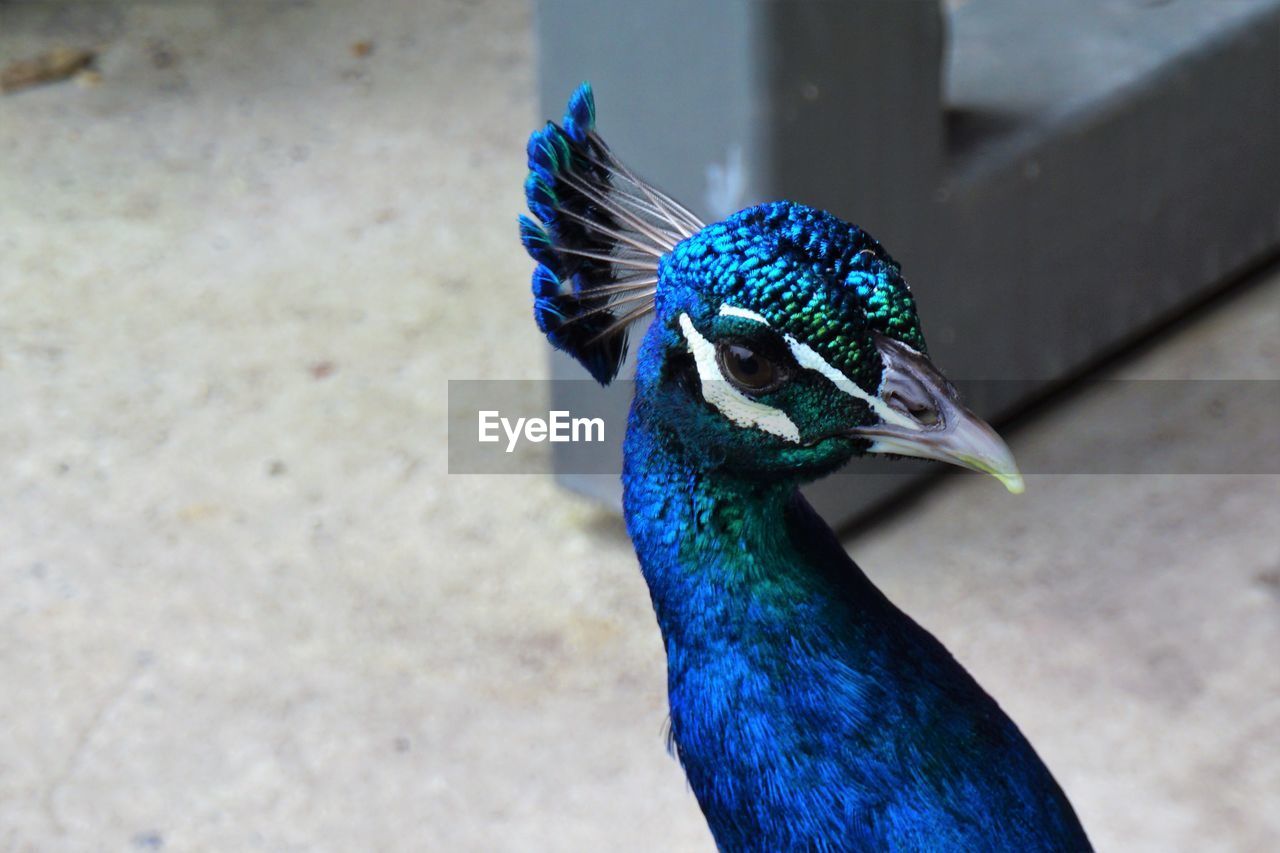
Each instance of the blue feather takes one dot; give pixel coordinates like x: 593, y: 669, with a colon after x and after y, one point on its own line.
x: 580, y: 117
x: 538, y: 245
x: 545, y: 283
x: 541, y: 198
x: 579, y: 233
x: 549, y: 152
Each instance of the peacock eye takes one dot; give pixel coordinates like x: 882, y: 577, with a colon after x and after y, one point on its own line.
x: 747, y: 370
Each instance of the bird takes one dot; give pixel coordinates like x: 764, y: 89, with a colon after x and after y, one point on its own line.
x: 807, y: 711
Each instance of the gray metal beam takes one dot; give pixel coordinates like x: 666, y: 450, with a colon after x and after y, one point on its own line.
x: 1054, y: 178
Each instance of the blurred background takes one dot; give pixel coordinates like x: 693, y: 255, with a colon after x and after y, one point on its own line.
x: 244, y: 247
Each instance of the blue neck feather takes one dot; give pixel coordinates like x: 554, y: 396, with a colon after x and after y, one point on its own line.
x: 807, y: 710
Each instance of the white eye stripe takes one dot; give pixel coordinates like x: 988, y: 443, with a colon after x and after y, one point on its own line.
x: 734, y: 311
x: 729, y: 401
x: 806, y: 357
x: 744, y: 411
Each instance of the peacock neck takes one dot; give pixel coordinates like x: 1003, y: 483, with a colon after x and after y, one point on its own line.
x: 704, y: 539
x: 736, y: 568
x: 772, y: 634
x: 804, y: 705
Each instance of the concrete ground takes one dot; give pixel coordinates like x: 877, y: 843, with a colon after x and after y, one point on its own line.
x: 242, y: 605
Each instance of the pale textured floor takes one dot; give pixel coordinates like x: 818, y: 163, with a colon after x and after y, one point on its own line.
x: 242, y: 606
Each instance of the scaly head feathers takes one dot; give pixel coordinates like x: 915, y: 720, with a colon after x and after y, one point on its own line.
x: 821, y: 280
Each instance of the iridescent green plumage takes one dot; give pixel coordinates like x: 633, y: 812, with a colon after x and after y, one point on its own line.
x: 810, y: 274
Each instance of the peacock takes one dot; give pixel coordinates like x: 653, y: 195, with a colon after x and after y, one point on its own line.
x: 807, y: 711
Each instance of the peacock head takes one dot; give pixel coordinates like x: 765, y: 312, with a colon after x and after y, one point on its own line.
x: 784, y: 341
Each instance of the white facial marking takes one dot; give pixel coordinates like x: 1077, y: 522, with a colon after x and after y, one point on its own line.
x: 729, y: 401
x: 734, y: 311
x: 806, y: 357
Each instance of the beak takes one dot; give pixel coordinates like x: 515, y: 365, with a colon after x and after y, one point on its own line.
x: 921, y: 416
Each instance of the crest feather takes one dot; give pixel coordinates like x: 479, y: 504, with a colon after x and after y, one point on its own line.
x: 599, y: 236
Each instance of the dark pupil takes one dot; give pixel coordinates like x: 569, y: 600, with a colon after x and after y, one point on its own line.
x: 747, y: 369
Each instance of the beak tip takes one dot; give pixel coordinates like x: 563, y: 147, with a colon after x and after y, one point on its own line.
x: 1014, y: 483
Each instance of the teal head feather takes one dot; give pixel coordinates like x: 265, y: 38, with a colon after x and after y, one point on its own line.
x: 780, y: 286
